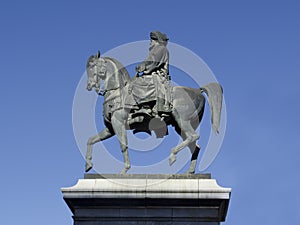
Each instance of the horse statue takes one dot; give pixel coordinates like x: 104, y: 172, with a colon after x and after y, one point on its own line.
x: 122, y: 113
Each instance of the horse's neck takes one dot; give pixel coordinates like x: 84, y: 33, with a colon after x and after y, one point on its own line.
x: 116, y: 75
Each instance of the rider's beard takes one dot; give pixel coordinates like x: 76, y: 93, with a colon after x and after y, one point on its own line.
x: 152, y: 45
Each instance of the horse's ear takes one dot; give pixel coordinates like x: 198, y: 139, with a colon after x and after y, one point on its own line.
x: 98, y: 54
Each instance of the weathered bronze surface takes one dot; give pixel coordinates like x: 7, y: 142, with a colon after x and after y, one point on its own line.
x: 148, y: 102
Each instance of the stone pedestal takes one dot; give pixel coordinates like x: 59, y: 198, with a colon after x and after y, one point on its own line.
x: 147, y: 200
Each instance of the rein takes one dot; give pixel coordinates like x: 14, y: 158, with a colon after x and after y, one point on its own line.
x: 103, y: 92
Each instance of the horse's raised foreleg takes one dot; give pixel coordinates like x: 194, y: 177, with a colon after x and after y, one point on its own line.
x: 104, y: 134
x: 119, y: 119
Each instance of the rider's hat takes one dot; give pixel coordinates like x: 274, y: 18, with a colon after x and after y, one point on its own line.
x: 158, y: 36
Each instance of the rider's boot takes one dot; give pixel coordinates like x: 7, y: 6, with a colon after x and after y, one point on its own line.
x: 154, y: 111
x: 163, y: 108
x: 160, y: 103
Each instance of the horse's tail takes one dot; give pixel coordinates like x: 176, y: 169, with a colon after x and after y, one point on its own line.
x: 214, y: 93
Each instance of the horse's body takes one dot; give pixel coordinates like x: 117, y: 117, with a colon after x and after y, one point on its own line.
x: 121, y: 113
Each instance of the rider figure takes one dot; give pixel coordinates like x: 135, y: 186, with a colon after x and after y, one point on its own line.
x: 157, y: 65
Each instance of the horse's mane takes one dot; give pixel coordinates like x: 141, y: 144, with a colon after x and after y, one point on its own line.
x: 124, y: 73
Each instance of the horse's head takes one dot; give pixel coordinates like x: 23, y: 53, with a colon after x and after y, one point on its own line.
x: 95, y: 71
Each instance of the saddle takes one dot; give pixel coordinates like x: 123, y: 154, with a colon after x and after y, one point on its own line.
x: 143, y: 89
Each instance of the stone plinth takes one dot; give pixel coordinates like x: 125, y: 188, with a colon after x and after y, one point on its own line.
x: 147, y: 199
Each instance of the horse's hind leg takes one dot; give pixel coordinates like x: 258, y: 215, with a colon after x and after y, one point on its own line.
x: 104, y: 134
x: 191, y: 136
x: 195, y: 149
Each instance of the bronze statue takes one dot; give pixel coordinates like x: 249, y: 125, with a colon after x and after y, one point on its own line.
x: 132, y: 104
x: 157, y: 66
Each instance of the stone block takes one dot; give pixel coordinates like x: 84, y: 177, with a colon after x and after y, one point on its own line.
x: 147, y: 200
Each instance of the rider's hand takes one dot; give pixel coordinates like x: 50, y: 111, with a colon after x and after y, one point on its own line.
x: 137, y: 69
x: 140, y: 68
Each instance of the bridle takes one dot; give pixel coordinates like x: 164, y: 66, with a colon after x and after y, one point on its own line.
x: 101, y: 65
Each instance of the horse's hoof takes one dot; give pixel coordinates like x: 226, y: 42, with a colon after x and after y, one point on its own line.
x: 172, y: 159
x: 88, y: 166
x: 125, y: 169
x: 192, y: 167
x: 191, y: 172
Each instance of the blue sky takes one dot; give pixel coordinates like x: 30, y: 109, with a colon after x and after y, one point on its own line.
x: 251, y: 46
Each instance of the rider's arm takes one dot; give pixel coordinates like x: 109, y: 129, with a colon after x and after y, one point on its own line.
x: 155, y: 59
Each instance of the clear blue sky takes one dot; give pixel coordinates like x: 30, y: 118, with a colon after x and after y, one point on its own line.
x: 251, y: 46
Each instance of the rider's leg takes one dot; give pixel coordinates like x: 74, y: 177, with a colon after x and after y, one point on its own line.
x: 160, y: 102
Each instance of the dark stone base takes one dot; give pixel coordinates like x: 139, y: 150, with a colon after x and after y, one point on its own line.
x: 131, y: 222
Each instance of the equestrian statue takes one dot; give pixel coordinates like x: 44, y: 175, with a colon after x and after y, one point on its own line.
x: 148, y: 102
